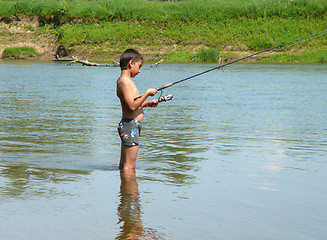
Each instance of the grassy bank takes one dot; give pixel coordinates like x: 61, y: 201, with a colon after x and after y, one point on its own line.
x: 181, y: 31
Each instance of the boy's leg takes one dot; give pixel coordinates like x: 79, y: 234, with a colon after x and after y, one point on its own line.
x: 128, y: 157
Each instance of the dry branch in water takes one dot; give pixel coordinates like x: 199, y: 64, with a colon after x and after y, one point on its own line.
x: 85, y: 62
x: 157, y: 63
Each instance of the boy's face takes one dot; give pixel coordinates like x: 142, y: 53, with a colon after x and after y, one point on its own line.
x: 136, y: 67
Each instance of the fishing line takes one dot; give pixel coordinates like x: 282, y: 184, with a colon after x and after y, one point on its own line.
x: 237, y: 60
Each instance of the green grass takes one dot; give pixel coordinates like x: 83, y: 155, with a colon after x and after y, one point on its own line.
x: 187, y: 30
x: 60, y: 11
x: 313, y: 56
x: 239, y: 35
x: 19, y: 52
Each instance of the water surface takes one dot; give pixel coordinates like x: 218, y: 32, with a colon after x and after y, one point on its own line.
x: 239, y: 154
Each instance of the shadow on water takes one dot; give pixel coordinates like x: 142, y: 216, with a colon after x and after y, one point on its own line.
x: 129, y: 210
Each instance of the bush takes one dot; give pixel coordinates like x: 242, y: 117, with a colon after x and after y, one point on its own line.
x: 20, y: 52
x: 209, y: 55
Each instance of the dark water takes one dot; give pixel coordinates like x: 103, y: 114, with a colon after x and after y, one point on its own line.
x: 239, y: 154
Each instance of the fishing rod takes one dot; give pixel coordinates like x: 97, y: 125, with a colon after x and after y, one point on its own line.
x: 229, y: 63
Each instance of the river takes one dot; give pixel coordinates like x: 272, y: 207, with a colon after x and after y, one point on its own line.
x: 237, y: 154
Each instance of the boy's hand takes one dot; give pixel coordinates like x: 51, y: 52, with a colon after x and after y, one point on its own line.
x: 151, y: 91
x: 152, y: 103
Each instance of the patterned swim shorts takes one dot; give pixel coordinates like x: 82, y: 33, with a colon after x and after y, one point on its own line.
x: 129, y: 131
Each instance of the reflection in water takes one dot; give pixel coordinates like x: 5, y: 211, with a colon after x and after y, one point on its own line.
x: 40, y: 127
x: 129, y: 210
x: 47, y: 118
x: 172, y: 148
x: 25, y: 182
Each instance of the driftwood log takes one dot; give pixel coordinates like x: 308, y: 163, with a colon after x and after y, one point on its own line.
x: 116, y: 64
x: 157, y: 63
x: 58, y: 59
x: 85, y: 62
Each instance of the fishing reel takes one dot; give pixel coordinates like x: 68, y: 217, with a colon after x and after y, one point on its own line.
x: 165, y: 98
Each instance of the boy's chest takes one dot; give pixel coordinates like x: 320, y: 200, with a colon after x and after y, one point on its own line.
x: 134, y: 90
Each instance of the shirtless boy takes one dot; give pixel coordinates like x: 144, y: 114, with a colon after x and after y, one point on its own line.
x: 129, y: 127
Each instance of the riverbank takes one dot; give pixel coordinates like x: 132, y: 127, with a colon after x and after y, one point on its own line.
x: 186, y: 31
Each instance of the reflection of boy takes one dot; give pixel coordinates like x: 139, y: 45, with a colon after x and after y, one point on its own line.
x: 129, y: 209
x: 129, y: 127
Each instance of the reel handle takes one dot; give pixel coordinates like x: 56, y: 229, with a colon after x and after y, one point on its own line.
x: 165, y: 98
x: 159, y: 89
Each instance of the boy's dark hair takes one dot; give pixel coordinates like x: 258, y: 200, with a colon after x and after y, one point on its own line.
x: 129, y: 54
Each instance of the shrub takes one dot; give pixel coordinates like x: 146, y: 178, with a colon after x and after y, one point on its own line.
x: 20, y: 52
x: 207, y: 55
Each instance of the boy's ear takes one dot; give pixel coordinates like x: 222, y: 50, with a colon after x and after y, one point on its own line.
x: 130, y: 63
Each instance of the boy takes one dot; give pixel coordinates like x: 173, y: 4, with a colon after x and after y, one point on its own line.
x: 129, y: 127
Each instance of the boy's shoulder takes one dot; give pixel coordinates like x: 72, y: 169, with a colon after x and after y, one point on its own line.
x: 124, y: 80
x: 121, y: 82
x: 124, y: 84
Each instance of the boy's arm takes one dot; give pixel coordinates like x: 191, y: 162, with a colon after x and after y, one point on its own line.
x: 128, y: 99
x: 152, y: 103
